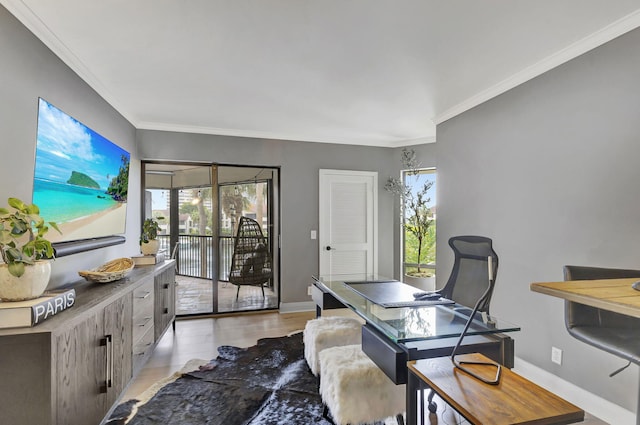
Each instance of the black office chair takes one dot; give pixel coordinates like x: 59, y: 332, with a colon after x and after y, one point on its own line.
x: 469, y: 278
x: 611, y: 332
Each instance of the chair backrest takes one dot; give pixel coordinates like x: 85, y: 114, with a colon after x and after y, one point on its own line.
x: 469, y: 277
x: 174, y: 253
x: 577, y: 314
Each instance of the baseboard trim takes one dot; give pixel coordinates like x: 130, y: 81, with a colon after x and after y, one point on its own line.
x: 595, y: 405
x: 297, y: 307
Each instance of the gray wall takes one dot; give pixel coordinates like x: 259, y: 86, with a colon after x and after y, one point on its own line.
x: 300, y: 163
x: 29, y: 70
x: 550, y: 171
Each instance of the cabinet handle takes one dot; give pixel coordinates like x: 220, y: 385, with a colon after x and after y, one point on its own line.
x: 107, y: 342
x: 110, y: 361
x: 144, y: 296
x: 103, y: 387
x: 142, y: 353
x: 146, y: 320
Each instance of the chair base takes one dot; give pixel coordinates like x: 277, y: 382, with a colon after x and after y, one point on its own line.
x: 238, y: 291
x: 494, y: 381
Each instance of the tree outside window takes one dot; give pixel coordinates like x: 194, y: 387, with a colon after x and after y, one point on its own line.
x: 416, y: 190
x: 419, y: 217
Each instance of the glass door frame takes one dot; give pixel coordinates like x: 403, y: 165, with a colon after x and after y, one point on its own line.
x: 273, y: 221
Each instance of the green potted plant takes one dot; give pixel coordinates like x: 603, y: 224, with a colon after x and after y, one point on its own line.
x: 25, y: 251
x: 417, y: 218
x: 149, y: 244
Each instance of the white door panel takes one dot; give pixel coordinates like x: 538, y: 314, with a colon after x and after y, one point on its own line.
x: 345, y: 261
x: 348, y: 223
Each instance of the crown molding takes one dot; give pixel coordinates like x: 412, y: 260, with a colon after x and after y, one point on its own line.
x: 412, y: 142
x: 179, y: 128
x: 28, y: 18
x: 596, y: 39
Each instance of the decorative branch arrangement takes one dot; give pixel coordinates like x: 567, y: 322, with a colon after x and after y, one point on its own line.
x: 418, y: 218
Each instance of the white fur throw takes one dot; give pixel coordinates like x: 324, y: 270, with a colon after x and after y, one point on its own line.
x: 325, y: 332
x: 355, y: 390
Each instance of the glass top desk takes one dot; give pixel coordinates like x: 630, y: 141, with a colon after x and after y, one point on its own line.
x: 393, y: 336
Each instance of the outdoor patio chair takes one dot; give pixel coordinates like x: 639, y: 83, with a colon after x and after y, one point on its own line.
x: 251, y: 260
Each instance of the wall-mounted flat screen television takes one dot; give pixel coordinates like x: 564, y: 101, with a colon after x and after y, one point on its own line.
x: 81, y: 179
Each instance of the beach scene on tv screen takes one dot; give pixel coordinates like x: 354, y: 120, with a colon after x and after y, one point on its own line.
x: 81, y: 179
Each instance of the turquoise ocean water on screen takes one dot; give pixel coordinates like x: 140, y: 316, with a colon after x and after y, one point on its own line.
x: 61, y: 202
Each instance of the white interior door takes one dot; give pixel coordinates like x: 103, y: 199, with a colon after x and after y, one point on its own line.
x: 348, y: 232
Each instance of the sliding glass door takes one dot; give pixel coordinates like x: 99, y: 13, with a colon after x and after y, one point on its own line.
x: 199, y: 208
x: 253, y: 200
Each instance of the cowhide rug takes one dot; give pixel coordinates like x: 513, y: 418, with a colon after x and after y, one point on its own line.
x: 269, y: 383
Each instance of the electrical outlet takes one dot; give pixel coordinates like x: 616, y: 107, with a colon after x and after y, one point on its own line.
x: 309, y: 290
x: 556, y: 355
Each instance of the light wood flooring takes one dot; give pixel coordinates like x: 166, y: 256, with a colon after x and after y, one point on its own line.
x: 200, y: 339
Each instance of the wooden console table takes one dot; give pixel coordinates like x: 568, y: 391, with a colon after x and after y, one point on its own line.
x: 72, y: 368
x: 515, y: 400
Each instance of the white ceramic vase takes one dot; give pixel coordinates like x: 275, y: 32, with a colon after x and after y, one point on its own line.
x: 28, y: 286
x: 423, y: 283
x: 150, y: 248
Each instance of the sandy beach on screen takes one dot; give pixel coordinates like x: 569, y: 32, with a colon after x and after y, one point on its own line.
x: 104, y: 223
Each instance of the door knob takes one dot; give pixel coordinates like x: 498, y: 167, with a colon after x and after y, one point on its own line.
x: 328, y: 248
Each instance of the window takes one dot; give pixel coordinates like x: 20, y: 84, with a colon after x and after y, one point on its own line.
x: 419, y: 223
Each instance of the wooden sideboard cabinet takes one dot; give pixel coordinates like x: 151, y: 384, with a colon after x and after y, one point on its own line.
x: 73, y: 367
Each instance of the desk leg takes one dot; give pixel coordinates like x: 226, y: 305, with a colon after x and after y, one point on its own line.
x: 638, y: 407
x: 414, y: 384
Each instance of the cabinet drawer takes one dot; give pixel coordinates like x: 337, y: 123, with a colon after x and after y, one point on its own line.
x: 141, y: 324
x: 142, y: 349
x: 143, y: 299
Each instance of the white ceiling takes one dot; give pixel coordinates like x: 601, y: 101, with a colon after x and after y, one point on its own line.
x: 371, y: 72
